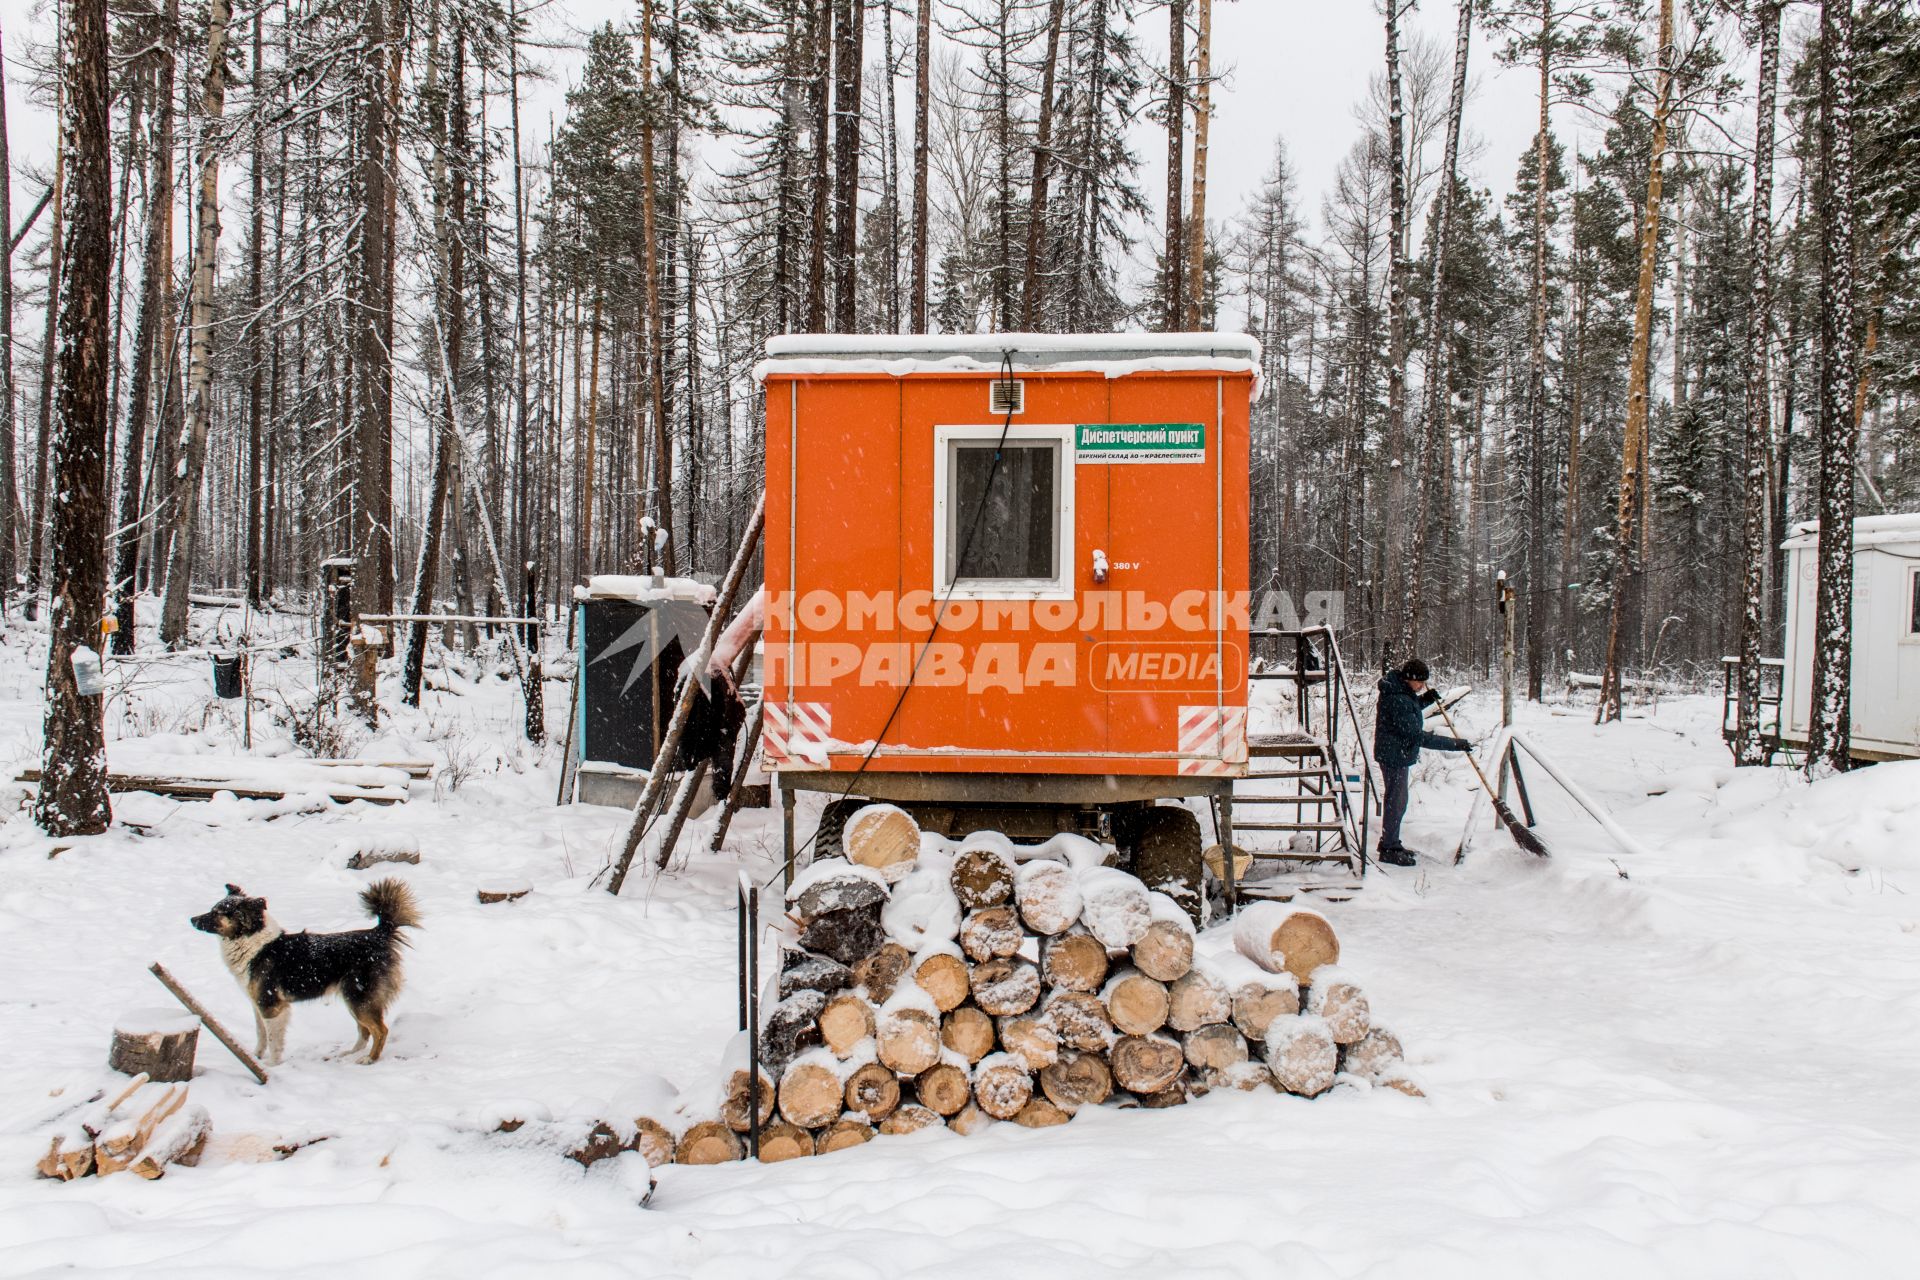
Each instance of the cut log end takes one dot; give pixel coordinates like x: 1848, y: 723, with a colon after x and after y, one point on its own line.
x: 873, y: 1091
x: 709, y: 1142
x: 782, y: 1141
x: 1075, y: 962
x: 982, y: 877
x: 945, y: 979
x: 1165, y: 951
x: 160, y: 1043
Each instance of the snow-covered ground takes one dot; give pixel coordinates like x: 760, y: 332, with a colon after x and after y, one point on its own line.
x: 1698, y: 1062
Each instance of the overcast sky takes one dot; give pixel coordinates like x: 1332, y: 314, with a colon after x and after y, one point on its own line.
x: 1292, y: 69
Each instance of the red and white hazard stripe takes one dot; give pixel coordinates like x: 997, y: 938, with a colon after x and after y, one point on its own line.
x: 1213, y: 740
x: 795, y: 735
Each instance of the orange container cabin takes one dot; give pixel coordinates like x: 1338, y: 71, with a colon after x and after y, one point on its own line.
x: 1007, y: 580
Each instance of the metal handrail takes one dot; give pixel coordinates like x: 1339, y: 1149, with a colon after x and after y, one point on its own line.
x: 1369, y: 796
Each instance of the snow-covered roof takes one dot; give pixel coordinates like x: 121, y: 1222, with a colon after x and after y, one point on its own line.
x: 1116, y: 355
x: 1868, y: 531
x: 643, y: 587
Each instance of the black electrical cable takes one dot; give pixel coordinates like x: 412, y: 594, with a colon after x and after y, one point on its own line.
x: 939, y: 616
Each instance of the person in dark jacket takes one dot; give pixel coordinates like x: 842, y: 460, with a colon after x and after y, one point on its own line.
x: 1399, y: 731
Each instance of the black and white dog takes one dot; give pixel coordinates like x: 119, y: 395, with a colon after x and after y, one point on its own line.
x: 276, y: 968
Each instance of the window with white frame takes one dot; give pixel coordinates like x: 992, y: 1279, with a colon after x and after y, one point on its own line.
x: 1913, y: 602
x: 1003, y: 513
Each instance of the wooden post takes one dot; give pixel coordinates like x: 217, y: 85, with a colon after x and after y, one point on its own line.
x: 212, y: 1024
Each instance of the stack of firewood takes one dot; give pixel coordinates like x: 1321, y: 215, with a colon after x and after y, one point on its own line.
x: 927, y: 989
x: 140, y: 1125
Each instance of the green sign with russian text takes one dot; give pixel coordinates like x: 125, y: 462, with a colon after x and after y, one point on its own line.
x: 1140, y: 442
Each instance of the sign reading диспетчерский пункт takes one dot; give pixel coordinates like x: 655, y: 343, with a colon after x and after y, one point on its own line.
x: 1140, y: 442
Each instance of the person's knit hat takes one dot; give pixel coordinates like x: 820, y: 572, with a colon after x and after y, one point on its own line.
x: 1415, y: 669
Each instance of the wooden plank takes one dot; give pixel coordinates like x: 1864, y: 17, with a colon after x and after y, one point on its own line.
x: 212, y: 1024
x: 203, y: 789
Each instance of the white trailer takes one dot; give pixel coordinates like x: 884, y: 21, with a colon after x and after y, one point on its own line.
x: 1886, y: 636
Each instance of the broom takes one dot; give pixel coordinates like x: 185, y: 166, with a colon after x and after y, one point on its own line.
x: 1522, y: 835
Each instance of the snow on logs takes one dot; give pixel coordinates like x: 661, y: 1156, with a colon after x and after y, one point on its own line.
x: 928, y: 990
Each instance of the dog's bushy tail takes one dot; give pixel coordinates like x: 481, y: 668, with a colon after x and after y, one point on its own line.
x: 391, y: 904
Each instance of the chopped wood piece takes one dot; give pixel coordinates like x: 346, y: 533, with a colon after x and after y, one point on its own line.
x: 1136, y: 1003
x: 1115, y: 906
x: 1245, y: 1077
x: 782, y: 1141
x: 811, y: 1093
x: 1216, y: 1047
x: 157, y: 1042
x: 1048, y: 893
x: 846, y: 890
x: 1302, y: 1055
x: 843, y: 1134
x: 1199, y: 999
x: 846, y: 1021
x: 911, y: 1118
x: 883, y: 837
x: 1172, y: 1096
x: 909, y: 1040
x: 1074, y: 961
x: 1146, y: 1064
x: 991, y: 932
x: 1373, y: 1056
x: 944, y: 1088
x: 790, y: 1028
x: 1002, y: 1086
x: 1402, y: 1084
x: 1257, y: 1004
x: 982, y: 877
x: 968, y: 1032
x: 970, y: 1120
x: 492, y: 891
x: 709, y: 1142
x: 1165, y: 950
x: 813, y: 973
x: 1278, y: 938
x: 848, y: 936
x: 880, y: 972
x: 653, y: 1140
x: 734, y: 1107
x: 1340, y: 1001
x: 1031, y: 1038
x: 601, y: 1143
x: 1080, y: 1020
x: 1006, y: 986
x: 133, y: 1125
x: 1041, y: 1114
x: 178, y: 1141
x: 873, y: 1091
x: 944, y: 977
x: 1077, y: 1080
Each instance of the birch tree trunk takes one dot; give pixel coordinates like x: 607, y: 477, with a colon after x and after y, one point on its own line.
x: 1830, y: 727
x: 72, y: 799
x: 922, y: 97
x: 151, y: 330
x: 1033, y: 287
x: 1196, y: 242
x: 185, y: 508
x: 1393, y: 530
x: 1749, y: 746
x: 1633, y: 441
x: 1434, y: 422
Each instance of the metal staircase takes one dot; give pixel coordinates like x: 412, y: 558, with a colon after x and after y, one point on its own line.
x: 1300, y: 820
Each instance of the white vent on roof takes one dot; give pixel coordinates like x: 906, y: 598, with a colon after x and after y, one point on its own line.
x: 1006, y: 395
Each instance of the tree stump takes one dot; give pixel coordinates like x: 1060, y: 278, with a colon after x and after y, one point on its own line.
x: 159, y: 1042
